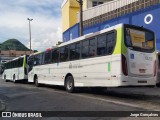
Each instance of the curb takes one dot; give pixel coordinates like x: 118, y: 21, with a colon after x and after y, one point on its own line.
x: 2, y: 106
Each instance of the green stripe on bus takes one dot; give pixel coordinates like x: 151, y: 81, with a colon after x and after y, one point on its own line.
x: 24, y: 62
x: 109, y: 67
x: 120, y: 46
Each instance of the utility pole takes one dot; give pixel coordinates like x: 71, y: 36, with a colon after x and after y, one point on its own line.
x: 81, y: 16
x: 30, y: 32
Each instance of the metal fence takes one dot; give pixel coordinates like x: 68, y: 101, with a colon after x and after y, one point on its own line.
x: 114, y: 9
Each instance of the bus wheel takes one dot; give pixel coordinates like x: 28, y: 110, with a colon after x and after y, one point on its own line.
x: 69, y: 84
x: 14, y: 79
x: 36, y: 81
x: 158, y: 84
x: 5, y: 78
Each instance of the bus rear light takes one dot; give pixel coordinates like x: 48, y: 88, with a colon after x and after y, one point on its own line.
x: 124, y: 65
x: 48, y: 49
x: 155, y: 68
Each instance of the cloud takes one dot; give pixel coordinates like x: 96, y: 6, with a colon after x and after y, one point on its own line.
x: 46, y: 24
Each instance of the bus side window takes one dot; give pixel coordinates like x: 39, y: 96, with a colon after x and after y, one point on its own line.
x: 55, y: 55
x: 47, y: 59
x: 40, y: 59
x: 31, y: 61
x: 7, y: 65
x: 74, y: 51
x: 77, y: 50
x: 102, y: 45
x: 85, y: 48
x: 92, y: 47
x: 15, y: 63
x: 21, y: 61
x: 64, y: 53
x: 110, y: 42
x: 10, y: 65
x: 37, y: 59
x: 43, y: 57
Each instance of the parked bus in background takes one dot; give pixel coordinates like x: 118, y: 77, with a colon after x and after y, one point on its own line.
x: 16, y: 69
x: 1, y: 68
x: 121, y: 55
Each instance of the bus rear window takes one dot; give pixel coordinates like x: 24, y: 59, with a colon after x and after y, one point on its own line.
x: 139, y: 39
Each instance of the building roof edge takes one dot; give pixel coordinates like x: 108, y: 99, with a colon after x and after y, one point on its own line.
x: 64, y: 2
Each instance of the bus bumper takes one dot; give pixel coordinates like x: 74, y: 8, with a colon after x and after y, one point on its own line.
x: 137, y: 81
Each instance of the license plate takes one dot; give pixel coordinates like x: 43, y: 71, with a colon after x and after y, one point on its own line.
x: 142, y: 81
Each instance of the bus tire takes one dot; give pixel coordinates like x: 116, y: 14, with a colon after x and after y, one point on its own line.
x: 5, y: 78
x: 36, y: 81
x: 69, y: 84
x: 158, y: 84
x: 14, y: 79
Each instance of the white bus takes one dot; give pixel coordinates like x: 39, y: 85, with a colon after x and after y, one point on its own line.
x: 15, y: 69
x: 122, y: 55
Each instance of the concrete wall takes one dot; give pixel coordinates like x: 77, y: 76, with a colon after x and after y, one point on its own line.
x: 149, y: 18
x: 70, y: 10
x: 69, y: 14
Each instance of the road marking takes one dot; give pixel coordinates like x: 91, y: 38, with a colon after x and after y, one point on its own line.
x: 2, y: 106
x: 138, y: 104
x: 105, y: 100
x: 110, y: 101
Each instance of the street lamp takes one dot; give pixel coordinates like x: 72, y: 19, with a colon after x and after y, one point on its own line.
x: 81, y: 16
x: 30, y: 32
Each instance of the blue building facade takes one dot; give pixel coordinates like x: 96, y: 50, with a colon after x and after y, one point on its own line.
x: 148, y: 18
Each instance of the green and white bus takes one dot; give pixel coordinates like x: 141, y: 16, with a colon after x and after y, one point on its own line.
x: 16, y: 69
x: 121, y: 55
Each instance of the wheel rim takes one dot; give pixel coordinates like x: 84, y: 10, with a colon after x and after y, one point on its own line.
x: 14, y: 78
x: 69, y: 84
x: 36, y: 81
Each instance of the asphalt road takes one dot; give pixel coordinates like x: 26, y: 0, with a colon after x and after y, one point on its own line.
x: 27, y: 97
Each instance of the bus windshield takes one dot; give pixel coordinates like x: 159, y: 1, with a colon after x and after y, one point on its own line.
x: 139, y: 39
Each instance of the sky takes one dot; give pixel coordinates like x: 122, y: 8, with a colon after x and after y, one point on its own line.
x: 46, y: 27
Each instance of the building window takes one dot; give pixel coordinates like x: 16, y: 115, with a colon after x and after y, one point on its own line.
x: 95, y: 3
